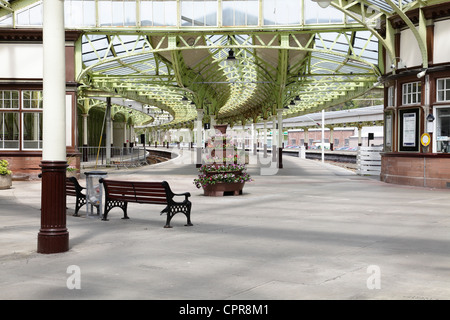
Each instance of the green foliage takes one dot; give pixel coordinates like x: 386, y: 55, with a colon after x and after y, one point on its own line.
x: 4, y: 168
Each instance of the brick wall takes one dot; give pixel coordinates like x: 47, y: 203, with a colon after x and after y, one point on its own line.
x: 417, y: 170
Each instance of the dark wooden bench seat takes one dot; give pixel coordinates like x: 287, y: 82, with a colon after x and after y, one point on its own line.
x: 73, y: 188
x: 119, y: 192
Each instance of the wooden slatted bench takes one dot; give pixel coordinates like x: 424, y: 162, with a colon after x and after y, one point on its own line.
x: 73, y: 188
x: 119, y: 192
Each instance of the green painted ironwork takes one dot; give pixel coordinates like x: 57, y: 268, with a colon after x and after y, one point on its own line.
x: 157, y: 66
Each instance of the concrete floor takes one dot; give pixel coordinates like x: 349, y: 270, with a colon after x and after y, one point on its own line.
x: 307, y: 231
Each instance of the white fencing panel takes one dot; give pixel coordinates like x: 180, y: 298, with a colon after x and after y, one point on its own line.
x: 369, y: 161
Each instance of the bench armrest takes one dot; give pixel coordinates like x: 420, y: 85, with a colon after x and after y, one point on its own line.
x: 185, y: 194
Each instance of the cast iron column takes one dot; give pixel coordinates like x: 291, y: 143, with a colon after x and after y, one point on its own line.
x: 108, y: 131
x: 280, y: 138
x: 85, y: 136
x: 53, y: 236
x: 199, y: 137
x: 274, y: 138
x: 265, y: 138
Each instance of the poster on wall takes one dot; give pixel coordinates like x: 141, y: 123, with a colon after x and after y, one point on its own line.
x: 409, y: 129
x: 388, y: 135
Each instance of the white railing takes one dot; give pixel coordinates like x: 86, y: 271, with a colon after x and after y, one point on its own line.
x: 120, y: 157
x: 369, y: 161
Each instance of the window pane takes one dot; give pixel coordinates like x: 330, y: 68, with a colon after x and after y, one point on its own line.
x: 443, y: 130
x: 443, y: 90
x: 170, y: 12
x: 240, y: 12
x: 32, y: 99
x: 32, y: 130
x: 412, y: 93
x: 9, y: 130
x: 282, y: 12
x: 211, y: 13
x: 187, y: 13
x: 36, y: 15
x: 146, y: 13
x: 9, y: 99
x: 6, y: 20
x: 227, y: 13
x: 269, y: 12
x: 129, y: 9
x: 158, y: 18
x: 89, y: 13
x: 104, y: 13
x: 252, y: 12
x: 23, y: 18
x: 199, y: 13
x: 117, y: 13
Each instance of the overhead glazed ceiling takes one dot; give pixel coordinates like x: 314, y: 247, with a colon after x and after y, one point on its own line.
x: 158, y: 52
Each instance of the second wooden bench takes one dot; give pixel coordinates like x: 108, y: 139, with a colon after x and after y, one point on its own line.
x: 119, y: 192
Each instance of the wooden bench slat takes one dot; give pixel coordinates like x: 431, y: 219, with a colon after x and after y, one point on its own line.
x: 151, y: 200
x: 150, y: 194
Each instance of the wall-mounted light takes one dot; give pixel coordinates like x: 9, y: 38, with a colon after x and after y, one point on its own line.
x: 323, y: 3
x: 422, y: 74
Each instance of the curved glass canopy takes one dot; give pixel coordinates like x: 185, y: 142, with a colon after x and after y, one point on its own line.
x: 173, y: 55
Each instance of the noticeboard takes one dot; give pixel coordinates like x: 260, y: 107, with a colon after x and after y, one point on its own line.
x: 409, y: 129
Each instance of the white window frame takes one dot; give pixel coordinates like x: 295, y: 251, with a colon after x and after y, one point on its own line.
x: 435, y: 112
x: 390, y: 96
x: 2, y: 99
x: 414, y: 95
x: 22, y: 140
x: 21, y: 111
x: 23, y: 100
x: 443, y: 90
x: 3, y: 126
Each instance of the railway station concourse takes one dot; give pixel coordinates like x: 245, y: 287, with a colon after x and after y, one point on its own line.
x: 77, y: 74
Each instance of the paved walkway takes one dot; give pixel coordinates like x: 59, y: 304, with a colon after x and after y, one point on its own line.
x: 308, y: 231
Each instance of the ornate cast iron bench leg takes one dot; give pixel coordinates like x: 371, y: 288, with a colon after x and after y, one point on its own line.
x: 173, y: 209
x: 115, y: 203
x: 81, y: 201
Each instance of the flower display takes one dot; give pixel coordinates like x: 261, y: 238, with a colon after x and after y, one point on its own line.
x: 223, y: 170
x: 204, y: 180
x: 4, y: 168
x: 71, y: 169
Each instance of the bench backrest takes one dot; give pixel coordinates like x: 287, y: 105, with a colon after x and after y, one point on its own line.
x: 72, y: 187
x: 135, y: 191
